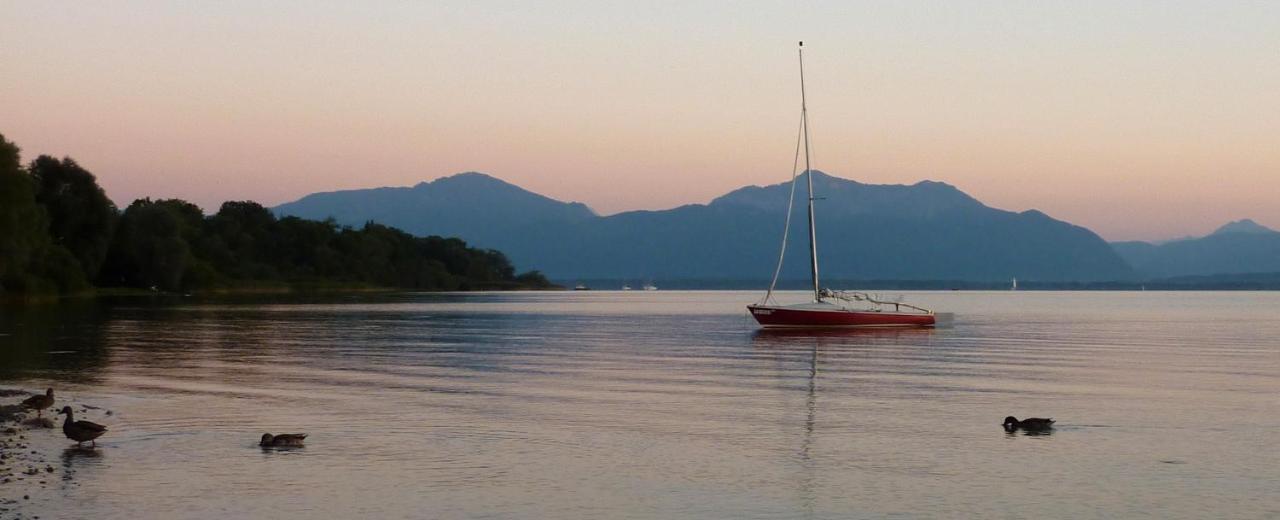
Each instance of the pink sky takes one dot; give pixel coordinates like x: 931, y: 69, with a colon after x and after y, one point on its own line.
x: 1137, y: 120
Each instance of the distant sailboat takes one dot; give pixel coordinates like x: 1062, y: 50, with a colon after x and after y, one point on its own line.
x: 829, y: 308
x: 650, y: 287
x: 626, y: 287
x: 1015, y: 285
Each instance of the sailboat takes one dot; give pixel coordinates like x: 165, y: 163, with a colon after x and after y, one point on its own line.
x: 829, y: 308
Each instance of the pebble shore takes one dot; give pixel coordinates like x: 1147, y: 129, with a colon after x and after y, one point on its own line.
x: 26, y: 473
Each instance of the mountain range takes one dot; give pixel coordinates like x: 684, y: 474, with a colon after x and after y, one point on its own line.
x: 924, y: 231
x: 1243, y: 246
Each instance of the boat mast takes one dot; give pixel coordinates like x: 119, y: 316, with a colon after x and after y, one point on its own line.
x: 808, y: 172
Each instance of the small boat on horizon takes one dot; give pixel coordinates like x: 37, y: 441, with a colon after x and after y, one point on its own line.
x: 626, y: 287
x: 650, y: 287
x: 581, y: 287
x: 829, y: 308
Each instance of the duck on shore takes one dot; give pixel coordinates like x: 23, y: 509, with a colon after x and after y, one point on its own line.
x: 1031, y: 424
x: 291, y: 440
x: 39, y: 402
x: 81, y: 431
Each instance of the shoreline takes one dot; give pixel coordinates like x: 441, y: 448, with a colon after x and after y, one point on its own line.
x: 27, y: 472
x: 283, y: 290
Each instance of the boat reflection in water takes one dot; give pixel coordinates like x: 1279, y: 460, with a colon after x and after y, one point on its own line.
x: 850, y: 336
x: 839, y: 350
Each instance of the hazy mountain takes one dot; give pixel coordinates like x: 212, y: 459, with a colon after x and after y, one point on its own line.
x: 1243, y: 246
x: 1243, y: 226
x: 925, y: 231
x: 481, y: 209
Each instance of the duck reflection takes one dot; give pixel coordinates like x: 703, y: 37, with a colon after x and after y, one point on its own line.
x: 74, y: 458
x: 1013, y: 432
x: 80, y: 452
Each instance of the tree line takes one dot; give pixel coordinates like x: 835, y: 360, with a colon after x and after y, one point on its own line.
x: 61, y: 234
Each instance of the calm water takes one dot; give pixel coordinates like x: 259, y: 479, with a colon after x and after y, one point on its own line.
x: 659, y: 405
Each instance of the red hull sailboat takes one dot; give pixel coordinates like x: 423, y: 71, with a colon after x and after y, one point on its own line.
x: 826, y: 313
x: 829, y: 308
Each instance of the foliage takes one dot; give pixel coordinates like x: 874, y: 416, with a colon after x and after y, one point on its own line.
x: 30, y: 263
x: 151, y: 246
x: 81, y: 217
x: 58, y: 230
x: 169, y: 245
x: 245, y: 241
x: 22, y: 223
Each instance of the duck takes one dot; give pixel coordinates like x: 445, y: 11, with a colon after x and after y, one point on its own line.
x: 81, y: 431
x: 1031, y: 424
x: 39, y: 402
x: 282, y: 440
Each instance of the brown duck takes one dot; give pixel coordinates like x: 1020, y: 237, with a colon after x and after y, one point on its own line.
x: 39, y: 402
x: 1031, y: 424
x: 283, y: 440
x: 81, y: 431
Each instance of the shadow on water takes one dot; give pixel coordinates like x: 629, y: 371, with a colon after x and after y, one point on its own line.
x: 61, y: 342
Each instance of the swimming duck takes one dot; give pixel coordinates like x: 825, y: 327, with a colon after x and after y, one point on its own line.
x: 1032, y: 424
x: 282, y: 440
x: 39, y: 402
x: 81, y: 431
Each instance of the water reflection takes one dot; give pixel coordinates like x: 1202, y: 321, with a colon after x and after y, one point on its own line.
x: 843, y: 336
x: 63, y: 342
x: 658, y: 405
x: 809, y: 346
x: 73, y: 453
x: 1013, y: 432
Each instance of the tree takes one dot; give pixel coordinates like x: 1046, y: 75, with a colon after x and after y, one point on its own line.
x: 151, y: 247
x: 534, y: 280
x: 22, y: 222
x: 29, y: 262
x: 241, y: 240
x: 81, y: 217
x: 58, y: 229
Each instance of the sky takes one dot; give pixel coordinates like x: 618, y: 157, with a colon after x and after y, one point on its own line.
x: 1138, y: 120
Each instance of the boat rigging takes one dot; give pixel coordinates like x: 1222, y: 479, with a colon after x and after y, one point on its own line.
x: 829, y: 308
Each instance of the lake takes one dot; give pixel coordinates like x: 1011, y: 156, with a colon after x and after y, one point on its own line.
x: 655, y: 405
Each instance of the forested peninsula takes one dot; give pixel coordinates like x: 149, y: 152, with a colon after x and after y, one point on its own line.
x: 61, y: 235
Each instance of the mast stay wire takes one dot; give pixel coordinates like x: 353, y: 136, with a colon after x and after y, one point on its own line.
x: 791, y: 200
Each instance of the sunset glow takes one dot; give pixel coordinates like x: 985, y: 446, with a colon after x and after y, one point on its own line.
x: 1137, y: 120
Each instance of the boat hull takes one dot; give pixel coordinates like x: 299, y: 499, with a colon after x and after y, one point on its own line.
x: 780, y: 316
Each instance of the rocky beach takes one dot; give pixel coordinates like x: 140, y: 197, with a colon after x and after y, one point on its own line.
x: 35, y: 457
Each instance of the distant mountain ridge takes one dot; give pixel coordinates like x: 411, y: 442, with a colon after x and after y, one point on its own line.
x: 1243, y: 226
x: 924, y: 199
x: 924, y: 231
x: 477, y: 207
x: 1238, y: 247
